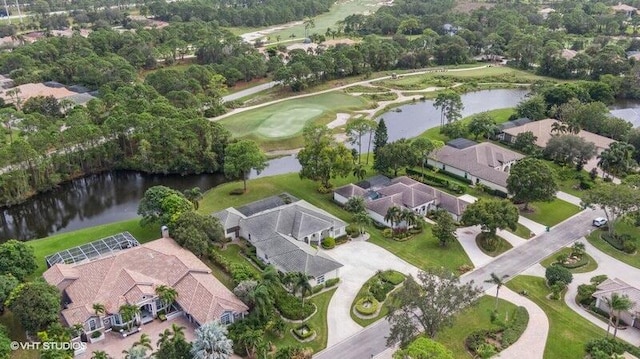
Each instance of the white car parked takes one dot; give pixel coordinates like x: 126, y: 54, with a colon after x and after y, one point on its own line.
x: 599, y: 222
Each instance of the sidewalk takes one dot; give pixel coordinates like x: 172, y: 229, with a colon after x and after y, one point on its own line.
x: 534, y: 227
x: 569, y: 198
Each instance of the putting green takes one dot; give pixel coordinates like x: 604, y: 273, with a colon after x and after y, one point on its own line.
x: 287, y: 123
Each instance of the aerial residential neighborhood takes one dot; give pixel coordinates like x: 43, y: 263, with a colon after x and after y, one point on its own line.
x: 350, y: 179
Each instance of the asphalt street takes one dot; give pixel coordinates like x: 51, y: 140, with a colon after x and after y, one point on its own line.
x: 372, y: 339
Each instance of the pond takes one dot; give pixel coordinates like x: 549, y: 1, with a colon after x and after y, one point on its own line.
x: 114, y: 196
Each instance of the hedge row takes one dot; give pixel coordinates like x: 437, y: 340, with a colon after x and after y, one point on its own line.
x: 239, y: 272
x: 621, y: 242
x: 291, y: 307
x: 360, y: 308
x: 610, y: 347
x: 392, y: 276
x: 515, y: 327
x: 331, y: 282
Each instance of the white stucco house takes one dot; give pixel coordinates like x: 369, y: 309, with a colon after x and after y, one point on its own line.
x: 282, y: 229
x: 481, y: 163
x: 382, y: 193
x: 610, y: 286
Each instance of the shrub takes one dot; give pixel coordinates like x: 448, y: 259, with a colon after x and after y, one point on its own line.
x: 486, y: 350
x: 617, y: 241
x: 303, y: 332
x: 291, y: 307
x: 317, y: 288
x: 324, y: 190
x: 464, y: 268
x: 241, y: 272
x: 97, y: 334
x: 610, y: 347
x: 379, y: 289
x: 392, y: 276
x: 387, y: 233
x: 331, y: 282
x: 581, y: 263
x: 515, y: 327
x: 629, y: 247
x: 476, y: 339
x: 557, y: 273
x: 585, y: 294
x: 598, y: 279
x: 371, y: 309
x: 342, y: 240
x: 353, y: 230
x: 328, y: 243
x: 237, y: 192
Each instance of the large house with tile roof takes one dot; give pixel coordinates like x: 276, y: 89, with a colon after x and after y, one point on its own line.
x: 481, y: 163
x: 282, y: 229
x: 402, y: 192
x: 608, y: 287
x: 131, y: 276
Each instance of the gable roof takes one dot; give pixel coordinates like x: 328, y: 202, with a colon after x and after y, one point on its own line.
x: 479, y: 160
x: 610, y: 286
x: 131, y: 275
x: 542, y: 130
x: 350, y: 190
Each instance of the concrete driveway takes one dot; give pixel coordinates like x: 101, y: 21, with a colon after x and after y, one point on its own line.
x: 361, y: 261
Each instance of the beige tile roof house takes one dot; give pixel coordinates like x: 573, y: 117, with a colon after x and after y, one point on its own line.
x: 130, y: 276
x: 483, y: 161
x: 542, y: 130
x: 615, y: 285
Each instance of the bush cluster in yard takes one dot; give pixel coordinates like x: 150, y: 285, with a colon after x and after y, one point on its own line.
x: 606, y: 347
x: 331, y: 282
x: 367, y: 305
x: 328, y: 243
x: 506, y: 335
x: 621, y: 242
x: 557, y: 273
x: 239, y: 272
x: 291, y: 307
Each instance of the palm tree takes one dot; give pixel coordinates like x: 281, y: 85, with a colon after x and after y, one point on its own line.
x: 99, y: 354
x: 178, y: 331
x: 302, y: 286
x: 362, y: 219
x: 99, y: 309
x: 308, y: 23
x: 499, y: 282
x: 167, y: 295
x: 271, y: 278
x: 359, y: 171
x: 409, y: 217
x: 194, y: 195
x: 165, y: 336
x: 617, y: 303
x: 129, y: 313
x: 135, y: 352
x: 559, y: 127
x: 578, y: 248
x: 393, y: 216
x: 262, y: 299
x: 252, y: 340
x: 144, y: 341
x: 355, y: 204
x: 211, y: 342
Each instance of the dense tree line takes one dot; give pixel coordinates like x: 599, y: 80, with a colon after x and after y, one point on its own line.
x: 238, y: 12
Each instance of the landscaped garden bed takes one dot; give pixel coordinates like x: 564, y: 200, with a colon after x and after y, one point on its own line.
x: 368, y: 306
x: 492, y: 245
x: 486, y: 343
x: 304, y: 333
x: 575, y: 259
x: 622, y: 228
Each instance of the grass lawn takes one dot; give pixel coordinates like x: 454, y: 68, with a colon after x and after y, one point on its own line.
x: 52, y: 244
x: 568, y: 331
x: 620, y: 228
x: 566, y: 178
x: 589, y: 267
x: 422, y: 250
x: 499, y: 116
x: 15, y: 331
x: 470, y: 320
x: 521, y: 231
x: 279, y: 126
x: 550, y: 213
x: 501, y: 246
x: 318, y: 323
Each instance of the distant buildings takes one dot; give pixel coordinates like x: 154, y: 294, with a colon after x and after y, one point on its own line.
x: 77, y: 94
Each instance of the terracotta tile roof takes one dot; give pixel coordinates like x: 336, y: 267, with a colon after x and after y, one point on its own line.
x: 130, y: 275
x: 623, y: 8
x: 568, y: 54
x: 542, y: 130
x: 37, y: 89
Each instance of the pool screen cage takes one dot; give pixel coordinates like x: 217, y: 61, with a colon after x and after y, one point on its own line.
x: 96, y: 249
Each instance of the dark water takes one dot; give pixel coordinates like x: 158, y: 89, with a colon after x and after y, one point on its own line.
x: 114, y: 196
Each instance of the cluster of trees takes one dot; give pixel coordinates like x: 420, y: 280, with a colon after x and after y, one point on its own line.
x: 131, y: 127
x: 237, y: 12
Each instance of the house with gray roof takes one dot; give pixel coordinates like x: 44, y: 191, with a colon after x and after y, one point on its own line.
x: 484, y: 163
x: 402, y: 192
x: 282, y: 229
x: 604, y: 291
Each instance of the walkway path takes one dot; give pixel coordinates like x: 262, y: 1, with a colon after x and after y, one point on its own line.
x: 532, y: 342
x: 569, y: 198
x: 534, y: 227
x: 613, y: 269
x: 467, y: 238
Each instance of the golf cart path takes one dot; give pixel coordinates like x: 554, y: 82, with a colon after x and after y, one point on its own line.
x: 365, y: 82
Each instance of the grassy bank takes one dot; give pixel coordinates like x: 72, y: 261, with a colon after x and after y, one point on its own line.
x: 621, y: 228
x: 499, y: 116
x: 550, y: 213
x: 568, y: 331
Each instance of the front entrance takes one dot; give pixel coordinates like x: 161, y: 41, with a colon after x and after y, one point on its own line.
x: 146, y: 313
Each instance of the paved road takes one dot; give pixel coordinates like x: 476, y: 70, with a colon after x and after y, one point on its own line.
x: 372, y: 340
x: 250, y: 91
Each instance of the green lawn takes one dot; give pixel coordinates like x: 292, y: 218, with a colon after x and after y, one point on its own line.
x: 550, y: 213
x: 566, y: 179
x: 521, y: 231
x: 589, y: 267
x: 501, y: 247
x: 279, y: 126
x: 52, y: 244
x: 470, y: 320
x: 422, y: 250
x: 499, y: 116
x: 568, y: 331
x: 15, y: 331
x: 318, y: 323
x: 620, y: 228
x: 483, y: 75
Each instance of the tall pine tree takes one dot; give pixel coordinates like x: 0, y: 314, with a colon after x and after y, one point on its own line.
x: 380, y: 138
